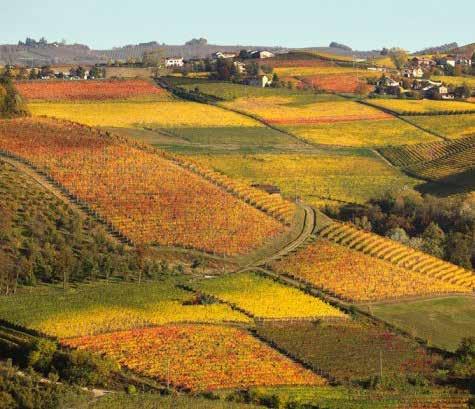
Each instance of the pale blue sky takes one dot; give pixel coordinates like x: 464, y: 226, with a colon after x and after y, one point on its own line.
x: 363, y: 24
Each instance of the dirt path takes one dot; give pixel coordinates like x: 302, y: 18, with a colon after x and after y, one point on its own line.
x: 308, y: 228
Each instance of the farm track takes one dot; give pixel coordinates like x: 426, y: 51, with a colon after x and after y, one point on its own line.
x: 313, y: 218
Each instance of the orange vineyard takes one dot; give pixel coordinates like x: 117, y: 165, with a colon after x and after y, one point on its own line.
x: 358, y: 277
x: 88, y: 90
x: 148, y: 197
x: 199, y: 357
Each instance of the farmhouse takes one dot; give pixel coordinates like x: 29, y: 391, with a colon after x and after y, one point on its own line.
x: 174, y: 62
x: 388, y: 86
x: 223, y: 55
x: 262, y: 54
x: 413, y: 72
x: 261, y: 81
x: 240, y: 67
x: 423, y: 62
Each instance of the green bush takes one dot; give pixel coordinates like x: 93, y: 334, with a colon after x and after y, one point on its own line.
x: 84, y: 368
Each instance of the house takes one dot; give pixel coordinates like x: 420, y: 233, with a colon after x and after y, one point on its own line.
x: 261, y: 54
x: 462, y: 60
x: 223, y: 55
x: 437, y: 92
x: 449, y: 60
x: 271, y: 189
x: 240, y: 67
x: 172, y: 62
x: 423, y: 62
x: 388, y: 86
x: 413, y: 72
x: 261, y: 81
x: 419, y: 84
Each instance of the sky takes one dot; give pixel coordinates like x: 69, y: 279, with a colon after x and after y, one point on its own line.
x: 361, y: 24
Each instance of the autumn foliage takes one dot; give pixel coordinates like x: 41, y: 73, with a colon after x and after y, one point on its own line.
x: 88, y: 90
x: 199, y: 357
x: 148, y: 196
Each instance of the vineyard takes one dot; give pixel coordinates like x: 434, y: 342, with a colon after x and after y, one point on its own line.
x: 347, y: 83
x: 457, y: 168
x: 424, y: 106
x: 264, y: 298
x: 404, y: 156
x: 453, y: 126
x: 328, y: 175
x: 398, y: 254
x: 293, y: 111
x: 199, y: 357
x: 91, y: 90
x: 152, y: 114
x: 350, y: 351
x: 355, y: 276
x: 151, y: 199
x: 365, y: 133
x: 100, y: 308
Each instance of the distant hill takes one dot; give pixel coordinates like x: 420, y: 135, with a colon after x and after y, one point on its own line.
x: 49, y: 54
x: 438, y: 49
x: 467, y: 50
x: 345, y: 52
x: 57, y: 53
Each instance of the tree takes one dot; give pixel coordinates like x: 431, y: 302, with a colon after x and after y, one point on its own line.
x: 399, y: 58
x: 398, y: 234
x: 153, y: 58
x: 463, y: 92
x: 459, y: 249
x: 433, y: 240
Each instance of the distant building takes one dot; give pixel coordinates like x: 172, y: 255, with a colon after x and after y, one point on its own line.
x: 413, y: 72
x: 262, y: 54
x: 240, y: 67
x: 261, y: 81
x: 388, y: 86
x: 172, y: 62
x: 223, y: 55
x: 423, y: 62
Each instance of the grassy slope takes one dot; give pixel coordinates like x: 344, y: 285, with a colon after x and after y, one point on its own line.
x: 442, y: 321
x: 352, y: 175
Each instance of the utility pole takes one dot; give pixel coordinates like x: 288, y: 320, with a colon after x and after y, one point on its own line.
x: 381, y: 364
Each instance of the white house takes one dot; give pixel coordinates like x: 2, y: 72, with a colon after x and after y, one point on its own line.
x: 413, y: 72
x: 261, y: 81
x: 174, y: 62
x: 240, y: 67
x: 223, y: 55
x: 262, y: 54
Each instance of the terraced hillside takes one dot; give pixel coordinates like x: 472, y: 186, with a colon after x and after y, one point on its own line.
x: 397, y: 254
x: 444, y: 161
x: 356, y: 277
x: 408, y: 155
x: 457, y: 168
x: 151, y: 197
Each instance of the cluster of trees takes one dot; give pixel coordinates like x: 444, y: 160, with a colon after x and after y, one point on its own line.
x: 443, y: 227
x: 11, y: 103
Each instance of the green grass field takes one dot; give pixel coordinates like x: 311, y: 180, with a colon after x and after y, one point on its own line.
x: 443, y: 322
x: 229, y: 91
x: 349, y: 175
